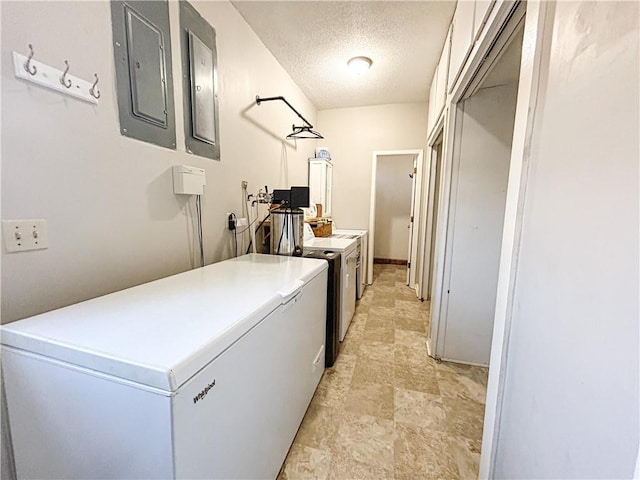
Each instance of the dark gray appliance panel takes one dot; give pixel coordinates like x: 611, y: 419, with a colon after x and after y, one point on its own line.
x: 142, y: 50
x: 199, y: 85
x: 202, y: 96
x: 146, y: 69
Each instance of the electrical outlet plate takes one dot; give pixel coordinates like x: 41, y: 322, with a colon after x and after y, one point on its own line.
x: 24, y: 235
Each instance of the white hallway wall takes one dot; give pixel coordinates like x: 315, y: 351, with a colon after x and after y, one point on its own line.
x: 352, y: 134
x: 113, y: 219
x: 571, y: 398
x: 393, y: 206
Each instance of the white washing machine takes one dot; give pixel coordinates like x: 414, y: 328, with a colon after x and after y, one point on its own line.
x: 362, y: 266
x: 348, y: 248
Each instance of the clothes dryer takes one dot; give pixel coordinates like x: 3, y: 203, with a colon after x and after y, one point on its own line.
x: 363, y: 259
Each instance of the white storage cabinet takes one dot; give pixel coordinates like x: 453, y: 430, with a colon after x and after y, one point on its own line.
x: 206, y: 374
x: 320, y: 183
x: 461, y: 40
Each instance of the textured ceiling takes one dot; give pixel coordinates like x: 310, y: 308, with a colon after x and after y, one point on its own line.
x: 313, y: 40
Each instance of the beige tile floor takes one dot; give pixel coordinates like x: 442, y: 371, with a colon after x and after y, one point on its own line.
x: 386, y: 410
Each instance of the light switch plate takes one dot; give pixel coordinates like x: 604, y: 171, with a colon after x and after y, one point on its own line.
x: 23, y: 235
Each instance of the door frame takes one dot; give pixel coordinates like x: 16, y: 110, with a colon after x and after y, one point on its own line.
x: 429, y: 213
x: 500, y: 19
x: 531, y: 66
x: 430, y: 218
x: 419, y: 153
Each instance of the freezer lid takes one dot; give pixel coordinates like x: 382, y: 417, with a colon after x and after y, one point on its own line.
x: 345, y: 231
x: 161, y: 333
x: 330, y: 243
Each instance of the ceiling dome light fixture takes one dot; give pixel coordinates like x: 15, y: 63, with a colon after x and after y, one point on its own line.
x: 359, y: 65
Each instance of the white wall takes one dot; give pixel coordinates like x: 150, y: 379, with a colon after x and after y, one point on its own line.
x: 393, y: 206
x: 352, y: 134
x: 571, y: 393
x: 113, y: 220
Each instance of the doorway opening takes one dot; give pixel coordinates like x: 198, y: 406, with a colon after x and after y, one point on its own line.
x: 474, y: 157
x: 396, y: 178
x: 463, y: 309
x: 393, y: 208
x: 433, y: 201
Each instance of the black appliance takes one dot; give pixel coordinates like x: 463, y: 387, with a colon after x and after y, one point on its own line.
x: 281, y: 197
x: 295, y: 197
x: 332, y: 346
x: 299, y: 197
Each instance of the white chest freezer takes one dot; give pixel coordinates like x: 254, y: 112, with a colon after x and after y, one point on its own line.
x: 205, y: 374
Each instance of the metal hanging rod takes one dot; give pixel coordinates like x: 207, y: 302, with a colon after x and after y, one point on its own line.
x: 304, y: 131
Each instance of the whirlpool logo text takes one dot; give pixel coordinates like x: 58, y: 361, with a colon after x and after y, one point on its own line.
x: 204, y: 392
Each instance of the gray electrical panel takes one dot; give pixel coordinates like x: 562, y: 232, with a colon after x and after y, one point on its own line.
x: 142, y: 52
x: 199, y: 75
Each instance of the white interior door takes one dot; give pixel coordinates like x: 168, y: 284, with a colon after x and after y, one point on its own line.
x: 433, y: 222
x: 410, y: 248
x: 414, y: 226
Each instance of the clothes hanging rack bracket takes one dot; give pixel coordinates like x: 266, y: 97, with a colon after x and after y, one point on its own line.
x: 301, y: 132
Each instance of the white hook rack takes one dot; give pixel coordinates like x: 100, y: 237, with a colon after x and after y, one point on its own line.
x: 49, y: 77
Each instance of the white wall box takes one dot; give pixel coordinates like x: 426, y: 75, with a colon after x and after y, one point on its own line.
x: 321, y: 183
x: 142, y: 54
x: 199, y: 83
x: 188, y: 180
x: 205, y: 374
x: 461, y: 40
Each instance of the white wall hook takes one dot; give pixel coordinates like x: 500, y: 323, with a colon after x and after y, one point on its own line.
x: 63, y: 79
x: 93, y: 91
x: 30, y: 70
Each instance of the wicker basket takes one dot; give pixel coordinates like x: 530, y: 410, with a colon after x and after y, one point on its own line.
x: 322, y: 229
